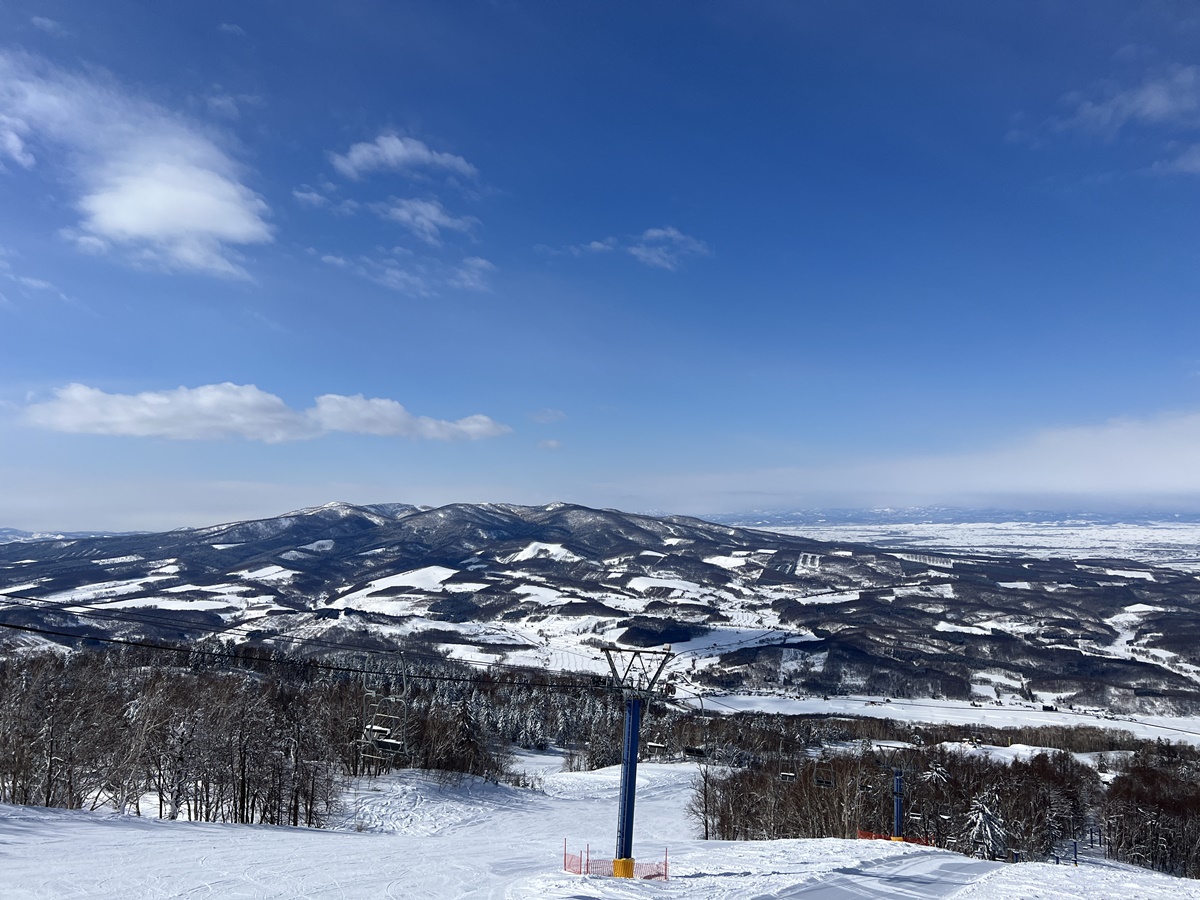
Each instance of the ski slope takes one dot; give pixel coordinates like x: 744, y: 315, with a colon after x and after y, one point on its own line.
x: 407, y: 836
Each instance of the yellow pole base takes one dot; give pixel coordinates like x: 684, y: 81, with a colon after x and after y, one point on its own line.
x: 623, y: 868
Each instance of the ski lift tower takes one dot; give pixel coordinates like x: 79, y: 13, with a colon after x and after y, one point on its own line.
x: 636, y: 674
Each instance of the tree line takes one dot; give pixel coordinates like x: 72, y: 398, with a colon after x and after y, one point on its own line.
x: 236, y: 736
x: 226, y: 734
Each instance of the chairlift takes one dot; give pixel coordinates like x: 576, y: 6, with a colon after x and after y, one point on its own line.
x: 824, y: 776
x: 385, y: 727
x: 787, y: 776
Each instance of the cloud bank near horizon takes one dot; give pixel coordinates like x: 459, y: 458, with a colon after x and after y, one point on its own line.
x: 218, y: 411
x: 1120, y: 464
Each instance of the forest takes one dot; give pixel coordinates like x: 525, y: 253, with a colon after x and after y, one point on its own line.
x: 225, y: 734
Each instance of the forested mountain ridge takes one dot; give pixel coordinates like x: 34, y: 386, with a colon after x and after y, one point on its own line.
x: 546, y: 585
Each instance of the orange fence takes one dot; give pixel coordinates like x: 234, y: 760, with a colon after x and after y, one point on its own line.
x: 586, y: 864
x: 873, y: 836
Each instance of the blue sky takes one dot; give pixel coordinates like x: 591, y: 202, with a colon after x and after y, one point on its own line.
x: 689, y: 257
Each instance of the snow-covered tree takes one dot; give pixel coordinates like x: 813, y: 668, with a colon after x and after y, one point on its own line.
x: 984, y: 834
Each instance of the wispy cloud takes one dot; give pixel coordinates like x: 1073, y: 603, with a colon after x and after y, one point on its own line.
x: 391, y: 152
x: 1171, y: 99
x: 472, y: 274
x: 230, y: 28
x: 660, y: 248
x: 229, y: 106
x: 149, y: 184
x: 36, y: 284
x: 547, y: 415
x: 666, y: 248
x: 406, y: 273
x: 413, y: 280
x: 550, y: 444
x: 24, y: 283
x: 424, y: 218
x: 49, y: 26
x: 216, y: 411
x: 325, y: 197
x: 13, y: 134
x: 308, y: 197
x: 1185, y: 163
x: 605, y: 246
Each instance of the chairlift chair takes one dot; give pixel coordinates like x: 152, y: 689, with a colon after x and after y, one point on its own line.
x: 824, y: 776
x: 787, y: 776
x: 385, y: 728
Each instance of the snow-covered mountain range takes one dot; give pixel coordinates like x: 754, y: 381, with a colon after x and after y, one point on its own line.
x: 547, y: 586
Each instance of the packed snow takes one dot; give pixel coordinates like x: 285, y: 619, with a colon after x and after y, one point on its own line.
x: 408, y: 836
x: 429, y: 578
x: 539, y: 550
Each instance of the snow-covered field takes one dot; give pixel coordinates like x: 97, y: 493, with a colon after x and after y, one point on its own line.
x: 955, y: 712
x: 406, y: 836
x: 1175, y: 545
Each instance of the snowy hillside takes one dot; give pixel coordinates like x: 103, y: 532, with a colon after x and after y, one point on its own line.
x: 406, y: 836
x: 545, y: 586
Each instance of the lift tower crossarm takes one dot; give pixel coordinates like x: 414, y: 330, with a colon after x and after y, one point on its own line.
x: 638, y: 674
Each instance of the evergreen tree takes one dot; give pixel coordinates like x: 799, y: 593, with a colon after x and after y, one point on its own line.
x: 984, y: 834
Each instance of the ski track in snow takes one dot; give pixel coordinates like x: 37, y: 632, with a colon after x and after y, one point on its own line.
x: 408, y: 836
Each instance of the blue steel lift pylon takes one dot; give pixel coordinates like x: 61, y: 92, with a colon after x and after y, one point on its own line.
x: 636, y: 674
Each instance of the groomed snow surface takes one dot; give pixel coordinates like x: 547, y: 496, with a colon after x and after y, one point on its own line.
x: 407, y: 836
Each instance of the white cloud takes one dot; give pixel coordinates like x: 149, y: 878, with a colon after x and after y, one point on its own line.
x: 150, y: 183
x: 216, y: 411
x: 1120, y: 463
x: 390, y: 152
x: 1133, y: 456
x: 360, y: 415
x: 229, y: 106
x: 424, y: 218
x: 605, y: 246
x: 666, y: 248
x: 550, y: 444
x: 25, y: 283
x: 547, y: 415
x: 206, y: 412
x: 390, y: 275
x: 229, y: 28
x: 86, y: 243
x: 472, y: 274
x: 1172, y: 99
x: 223, y: 105
x: 1186, y: 163
x: 660, y: 248
x: 309, y: 197
x: 12, y: 141
x: 47, y: 25
x: 322, y: 198
x: 414, y: 276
